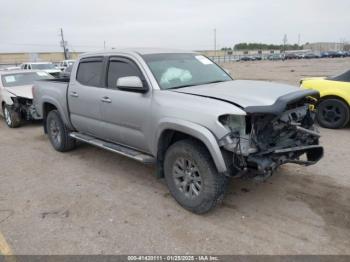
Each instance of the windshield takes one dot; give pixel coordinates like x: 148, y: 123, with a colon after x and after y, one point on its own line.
x: 43, y: 66
x: 21, y: 79
x: 180, y: 70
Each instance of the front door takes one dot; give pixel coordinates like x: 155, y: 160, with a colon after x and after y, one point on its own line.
x: 125, y: 113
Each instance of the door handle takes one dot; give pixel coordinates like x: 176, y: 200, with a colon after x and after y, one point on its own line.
x: 106, y: 99
x: 74, y: 94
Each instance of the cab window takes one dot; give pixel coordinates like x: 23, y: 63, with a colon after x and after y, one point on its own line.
x: 89, y: 72
x: 121, y: 68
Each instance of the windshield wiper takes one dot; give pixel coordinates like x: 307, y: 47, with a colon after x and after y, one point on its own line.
x: 212, y: 82
x: 216, y: 81
x: 176, y: 87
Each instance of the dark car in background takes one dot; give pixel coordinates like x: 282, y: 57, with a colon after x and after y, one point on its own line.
x: 289, y: 56
x: 335, y: 54
x: 311, y: 56
x: 324, y: 54
x: 273, y: 57
x: 247, y: 58
x: 257, y: 58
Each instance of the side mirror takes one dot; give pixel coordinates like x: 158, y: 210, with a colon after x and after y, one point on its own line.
x: 131, y: 83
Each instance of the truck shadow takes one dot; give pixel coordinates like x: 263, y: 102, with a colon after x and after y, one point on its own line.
x: 289, y: 187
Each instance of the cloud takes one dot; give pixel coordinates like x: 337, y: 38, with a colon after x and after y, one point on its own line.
x: 187, y: 24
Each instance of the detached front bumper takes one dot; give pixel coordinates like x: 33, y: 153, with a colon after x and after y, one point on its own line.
x: 267, y: 162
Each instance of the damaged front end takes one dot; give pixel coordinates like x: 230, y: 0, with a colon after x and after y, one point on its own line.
x: 269, y: 136
x: 25, y: 108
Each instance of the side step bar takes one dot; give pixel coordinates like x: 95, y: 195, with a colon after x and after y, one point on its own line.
x: 115, y: 148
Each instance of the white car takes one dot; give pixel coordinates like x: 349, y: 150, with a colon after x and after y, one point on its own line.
x: 11, y: 68
x: 16, y: 95
x: 47, y: 67
x: 65, y: 63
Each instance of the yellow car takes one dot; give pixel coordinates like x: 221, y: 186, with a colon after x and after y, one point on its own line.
x: 333, y: 108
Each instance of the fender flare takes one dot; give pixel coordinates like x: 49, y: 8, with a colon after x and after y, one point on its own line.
x: 336, y: 93
x: 197, y: 131
x: 60, y: 109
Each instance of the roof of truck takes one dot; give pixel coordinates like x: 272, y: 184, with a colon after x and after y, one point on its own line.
x: 141, y: 51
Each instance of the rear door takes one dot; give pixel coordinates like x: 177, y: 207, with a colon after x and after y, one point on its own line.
x: 125, y: 113
x: 84, y: 97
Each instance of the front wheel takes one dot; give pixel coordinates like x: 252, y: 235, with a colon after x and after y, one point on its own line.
x: 58, y: 133
x: 12, y: 118
x: 192, y: 177
x: 333, y: 113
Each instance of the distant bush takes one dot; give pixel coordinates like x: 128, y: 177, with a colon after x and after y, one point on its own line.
x: 260, y: 46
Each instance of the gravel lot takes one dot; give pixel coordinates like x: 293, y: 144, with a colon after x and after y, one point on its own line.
x: 90, y: 201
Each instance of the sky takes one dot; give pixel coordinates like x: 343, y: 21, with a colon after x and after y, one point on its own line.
x: 34, y: 25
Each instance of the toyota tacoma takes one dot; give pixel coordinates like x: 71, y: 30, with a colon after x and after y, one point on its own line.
x: 183, y: 113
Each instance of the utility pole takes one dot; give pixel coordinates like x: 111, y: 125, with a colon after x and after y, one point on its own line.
x: 215, y: 41
x: 285, y: 41
x: 299, y: 40
x: 63, y: 44
x: 104, y: 45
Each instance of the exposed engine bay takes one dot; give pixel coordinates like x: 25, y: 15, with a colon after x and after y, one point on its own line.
x: 25, y: 108
x: 262, y: 141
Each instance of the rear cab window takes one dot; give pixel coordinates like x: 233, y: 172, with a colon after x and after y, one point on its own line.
x: 90, y: 71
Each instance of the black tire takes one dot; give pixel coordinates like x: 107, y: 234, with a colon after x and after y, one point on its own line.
x: 333, y: 113
x: 58, y: 133
x: 11, y: 117
x: 212, y: 184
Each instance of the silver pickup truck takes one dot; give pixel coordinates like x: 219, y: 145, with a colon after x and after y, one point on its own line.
x: 183, y: 113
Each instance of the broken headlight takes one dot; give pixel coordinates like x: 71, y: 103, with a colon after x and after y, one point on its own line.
x: 238, y: 140
x: 235, y: 123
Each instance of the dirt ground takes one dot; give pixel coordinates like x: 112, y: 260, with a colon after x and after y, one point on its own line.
x: 90, y: 201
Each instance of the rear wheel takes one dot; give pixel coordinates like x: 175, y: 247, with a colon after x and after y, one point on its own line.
x: 12, y: 118
x: 333, y: 113
x: 192, y: 177
x: 58, y: 133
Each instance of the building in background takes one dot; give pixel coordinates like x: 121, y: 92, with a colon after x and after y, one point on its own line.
x: 324, y: 46
x: 19, y: 58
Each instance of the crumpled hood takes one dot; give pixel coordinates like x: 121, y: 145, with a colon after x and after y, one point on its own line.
x: 21, y: 91
x: 244, y: 93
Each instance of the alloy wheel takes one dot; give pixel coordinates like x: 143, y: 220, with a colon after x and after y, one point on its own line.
x: 55, y: 132
x: 187, y: 177
x: 7, y: 116
x: 331, y: 113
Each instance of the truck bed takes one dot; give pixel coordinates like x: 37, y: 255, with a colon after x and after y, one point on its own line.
x: 53, y: 91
